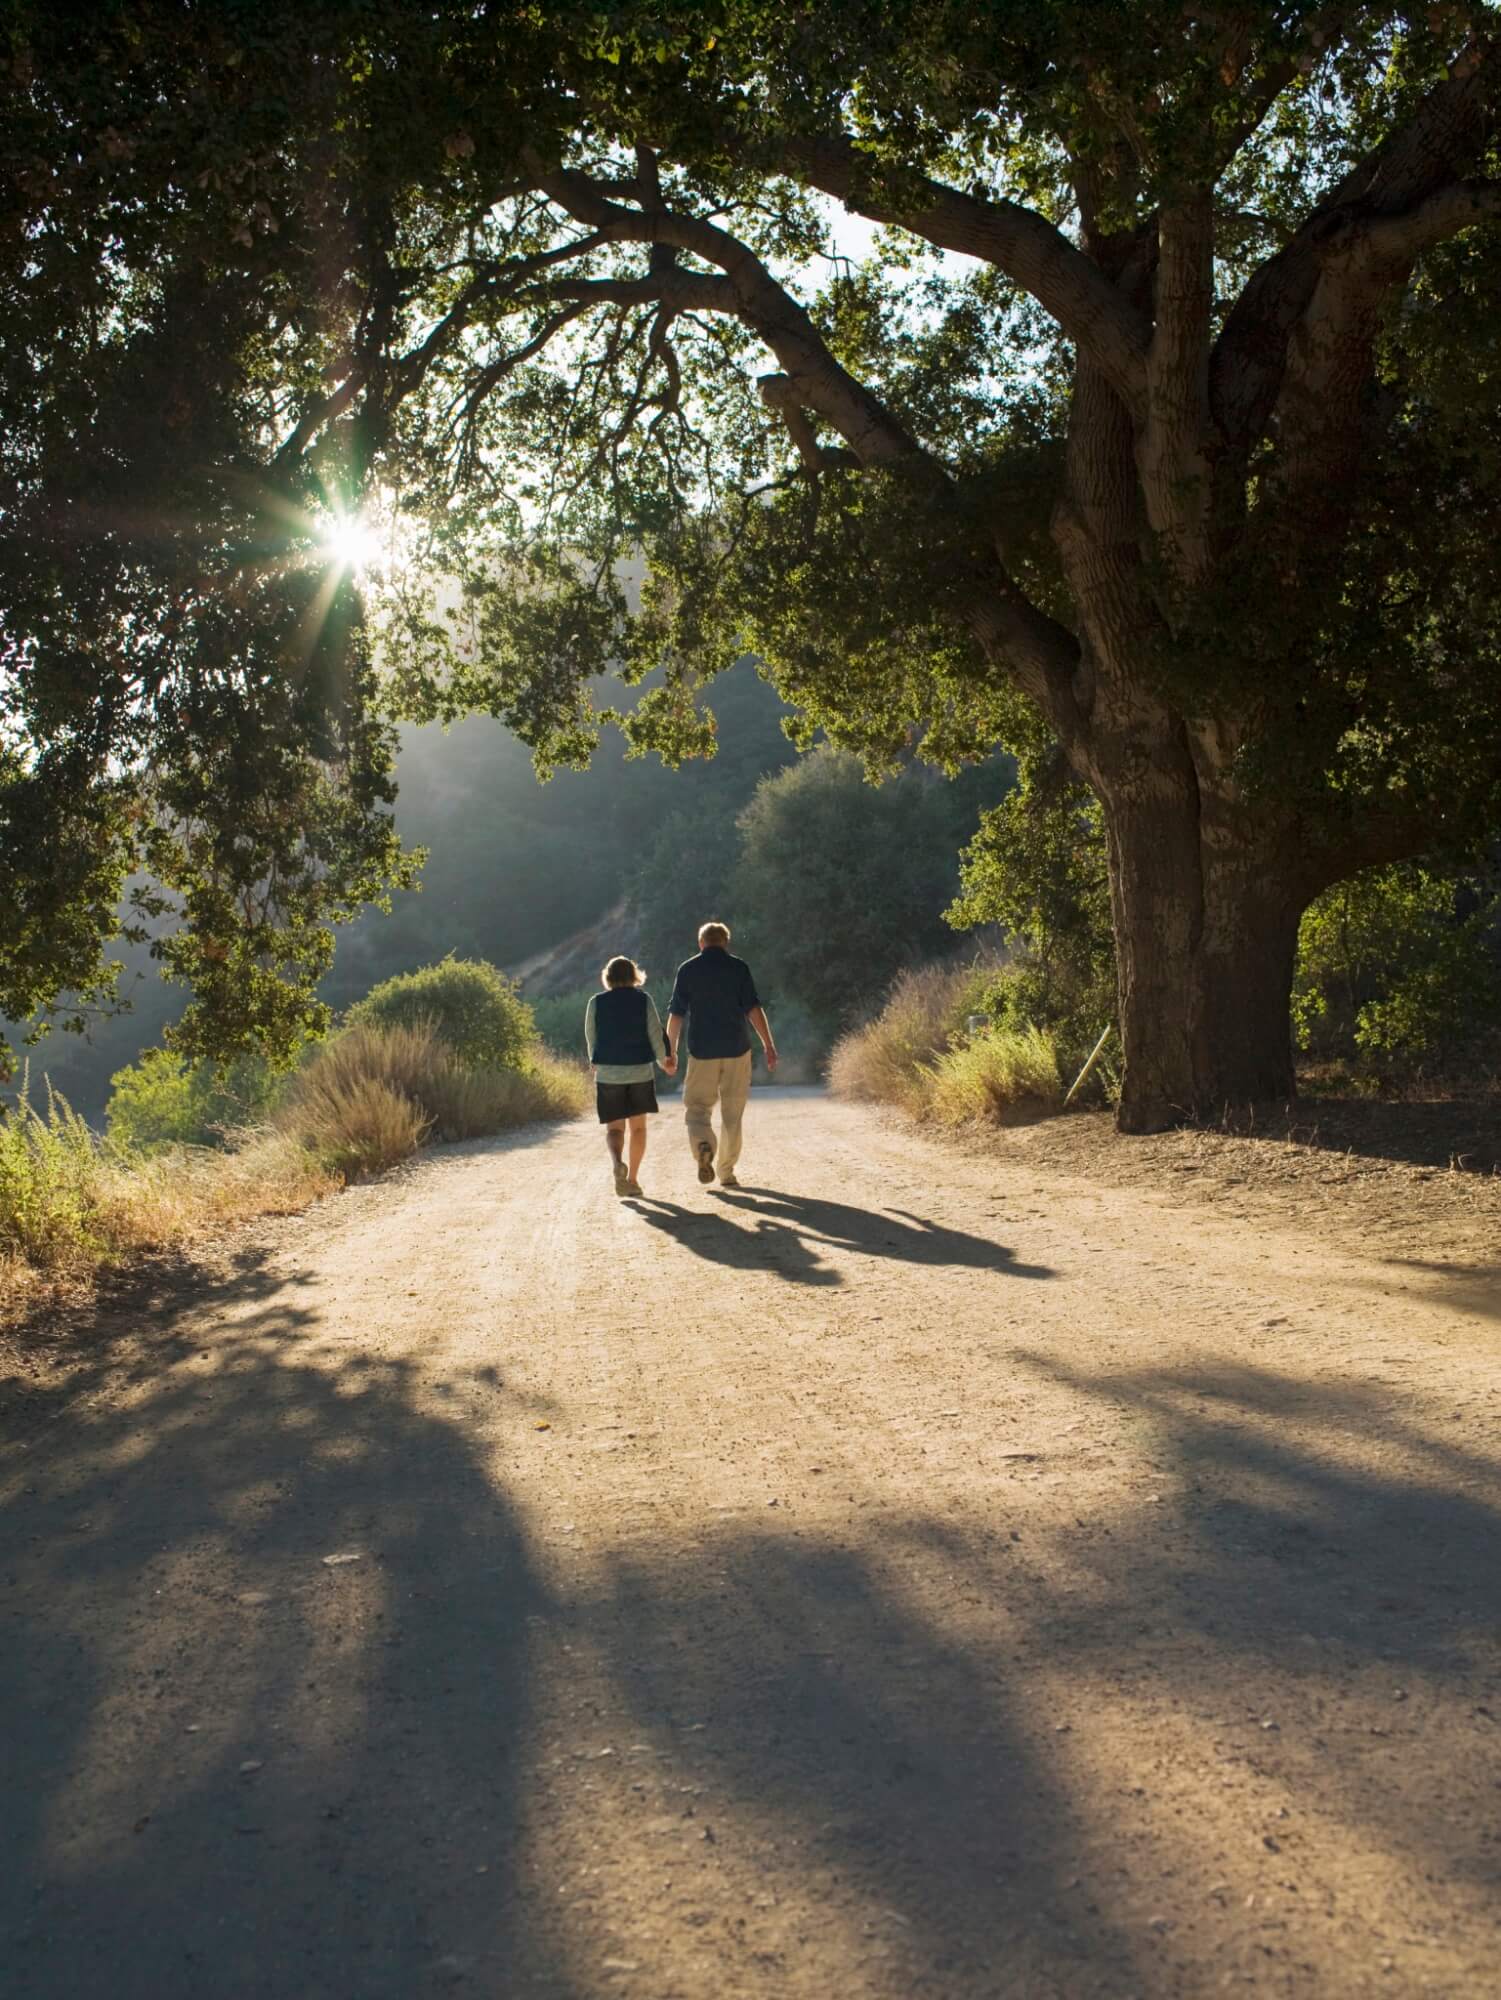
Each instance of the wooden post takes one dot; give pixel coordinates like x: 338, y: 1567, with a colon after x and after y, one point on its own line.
x: 1094, y: 1056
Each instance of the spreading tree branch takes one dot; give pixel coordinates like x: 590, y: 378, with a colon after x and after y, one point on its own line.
x: 1399, y: 200
x: 1066, y: 282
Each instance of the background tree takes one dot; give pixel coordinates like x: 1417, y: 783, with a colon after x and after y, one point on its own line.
x: 1183, y: 451
x: 839, y: 884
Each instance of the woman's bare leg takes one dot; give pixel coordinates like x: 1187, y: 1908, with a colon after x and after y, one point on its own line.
x: 638, y: 1145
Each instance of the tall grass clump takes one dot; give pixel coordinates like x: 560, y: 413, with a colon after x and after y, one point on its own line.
x: 170, y: 1198
x: 371, y: 1096
x: 51, y: 1174
x: 997, y: 1077
x: 922, y: 1054
x: 889, y: 1060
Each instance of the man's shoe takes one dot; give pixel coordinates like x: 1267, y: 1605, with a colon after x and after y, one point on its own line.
x: 705, y: 1161
x: 622, y: 1178
x: 632, y: 1187
x: 728, y: 1180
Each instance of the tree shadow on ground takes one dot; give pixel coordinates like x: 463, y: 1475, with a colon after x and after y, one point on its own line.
x: 864, y: 1718
x: 875, y: 1770
x: 1470, y: 1288
x: 1317, y: 1529
x: 857, y: 1711
x: 234, y: 1768
x: 1459, y: 1134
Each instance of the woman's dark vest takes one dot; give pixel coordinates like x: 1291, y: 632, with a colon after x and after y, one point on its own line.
x: 620, y: 1027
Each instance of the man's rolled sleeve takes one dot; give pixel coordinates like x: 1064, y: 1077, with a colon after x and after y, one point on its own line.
x: 748, y: 996
x: 678, y: 1004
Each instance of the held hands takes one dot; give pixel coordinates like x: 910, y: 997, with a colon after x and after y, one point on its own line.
x: 669, y: 1065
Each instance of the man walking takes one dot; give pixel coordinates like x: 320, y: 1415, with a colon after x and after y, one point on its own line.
x: 715, y: 994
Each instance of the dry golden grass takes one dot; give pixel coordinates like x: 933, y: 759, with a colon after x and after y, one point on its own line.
x: 374, y: 1095
x: 81, y: 1208
x: 193, y: 1192
x: 918, y: 1055
x: 998, y: 1076
x: 885, y: 1062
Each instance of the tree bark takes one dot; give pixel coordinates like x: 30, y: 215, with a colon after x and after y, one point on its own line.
x: 1206, y: 931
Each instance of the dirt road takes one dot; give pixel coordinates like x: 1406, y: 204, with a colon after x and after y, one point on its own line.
x: 910, y: 1576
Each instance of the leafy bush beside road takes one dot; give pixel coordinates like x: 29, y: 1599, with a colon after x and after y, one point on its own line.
x: 162, y: 1099
x: 1397, y: 967
x: 466, y: 1002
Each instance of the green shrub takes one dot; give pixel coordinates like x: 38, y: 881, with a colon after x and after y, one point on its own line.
x: 1037, y: 868
x: 1000, y: 1074
x: 469, y: 1005
x: 50, y: 1173
x: 162, y: 1100
x: 1396, y: 964
x: 560, y: 1020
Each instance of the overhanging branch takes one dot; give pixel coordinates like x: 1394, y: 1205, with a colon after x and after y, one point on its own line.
x: 1418, y: 172
x: 757, y: 300
x: 1025, y: 245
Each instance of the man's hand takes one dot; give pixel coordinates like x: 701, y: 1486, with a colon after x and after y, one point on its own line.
x: 771, y: 1060
x: 669, y: 1064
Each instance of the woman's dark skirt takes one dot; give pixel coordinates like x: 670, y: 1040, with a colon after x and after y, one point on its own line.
x: 624, y: 1100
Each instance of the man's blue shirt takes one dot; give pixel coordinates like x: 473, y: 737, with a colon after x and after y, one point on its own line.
x: 716, y: 992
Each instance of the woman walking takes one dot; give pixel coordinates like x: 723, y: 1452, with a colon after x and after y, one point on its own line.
x: 623, y: 1034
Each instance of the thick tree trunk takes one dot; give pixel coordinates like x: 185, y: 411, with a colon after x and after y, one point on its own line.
x: 1206, y: 922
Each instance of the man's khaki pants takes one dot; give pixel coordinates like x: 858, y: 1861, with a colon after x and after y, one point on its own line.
x: 721, y: 1079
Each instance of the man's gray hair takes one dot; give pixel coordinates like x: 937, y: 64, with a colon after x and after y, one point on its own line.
x: 713, y: 932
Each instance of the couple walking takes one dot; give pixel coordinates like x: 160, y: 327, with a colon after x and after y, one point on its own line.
x: 716, y: 996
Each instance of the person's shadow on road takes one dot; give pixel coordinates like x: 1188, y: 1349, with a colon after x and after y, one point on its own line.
x: 768, y: 1246
x: 787, y: 1228
x: 877, y: 1232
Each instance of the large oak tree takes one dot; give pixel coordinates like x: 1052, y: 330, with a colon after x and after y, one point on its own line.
x: 1160, y: 430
